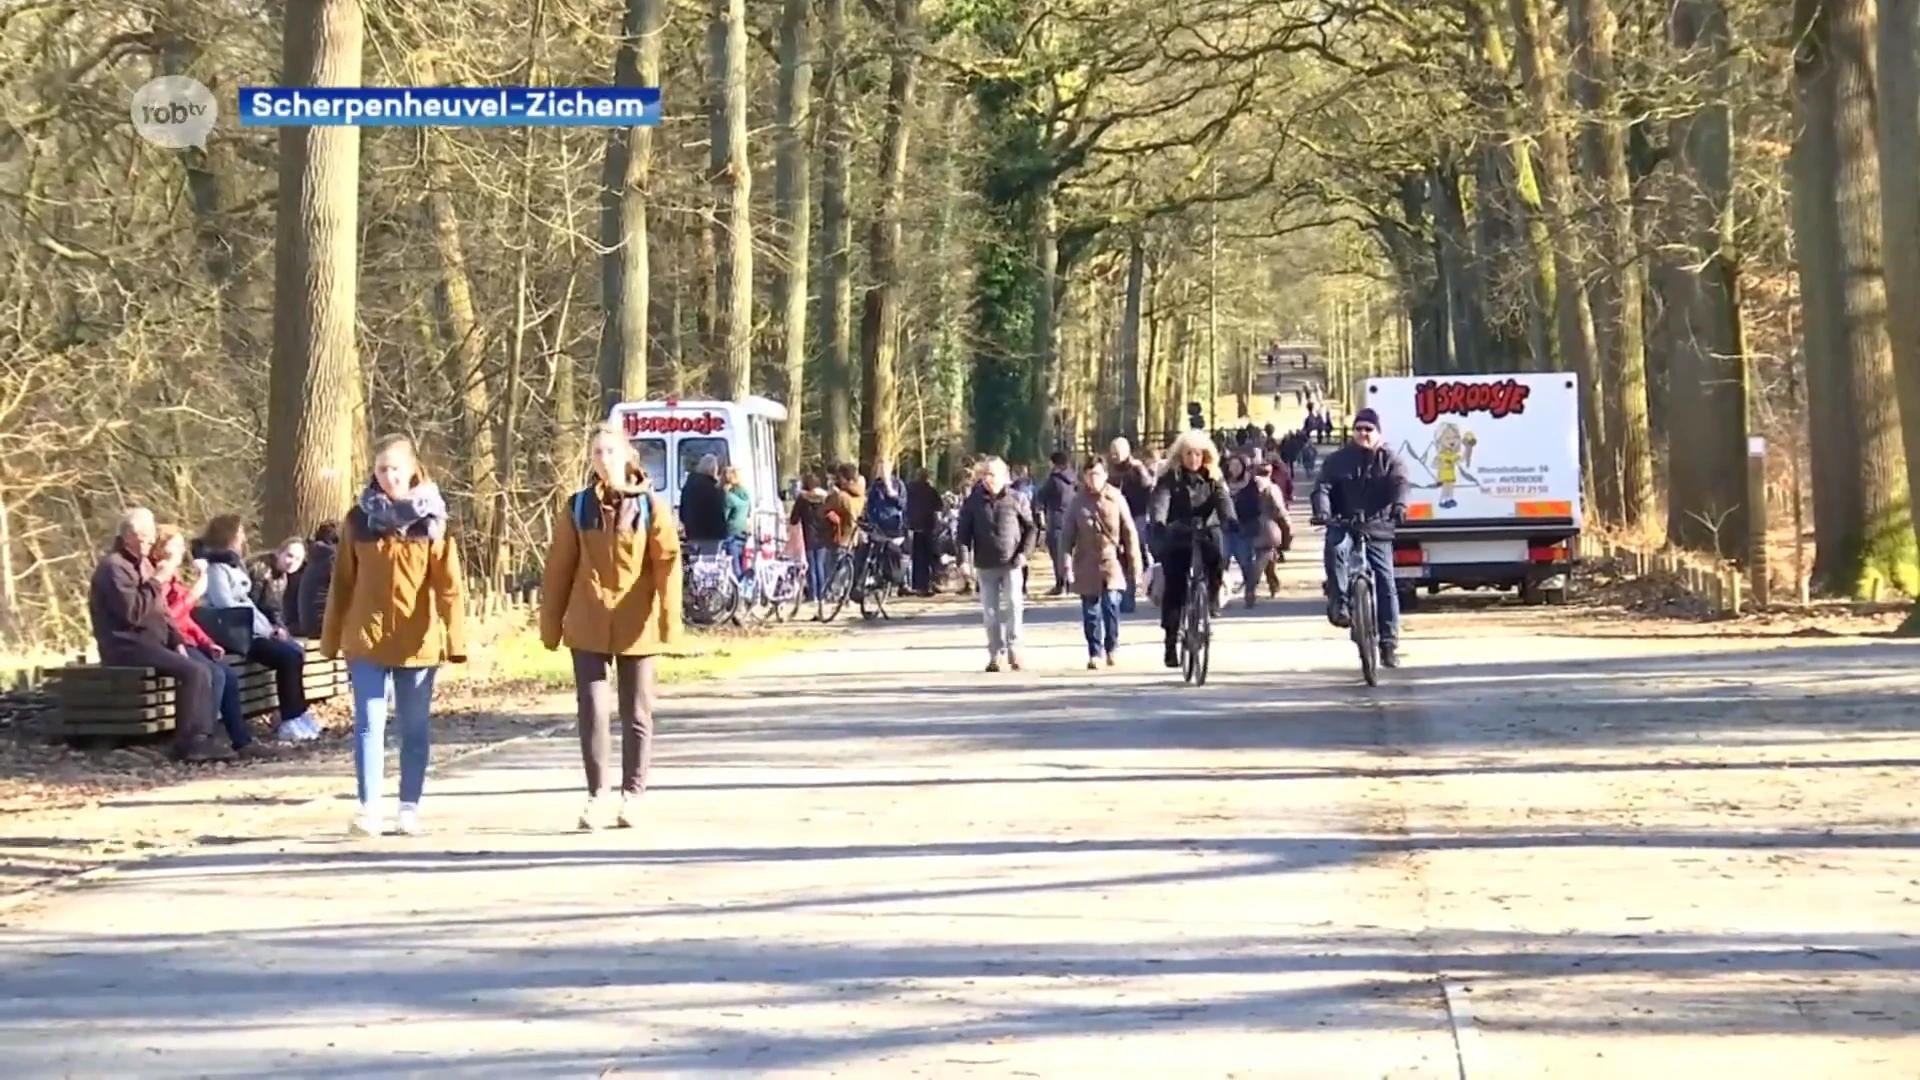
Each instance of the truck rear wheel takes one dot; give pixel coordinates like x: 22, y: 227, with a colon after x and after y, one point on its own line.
x: 1532, y: 594
x: 1409, y: 599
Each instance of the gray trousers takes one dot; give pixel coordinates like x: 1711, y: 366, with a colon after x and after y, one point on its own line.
x: 1003, y: 601
x: 594, y: 694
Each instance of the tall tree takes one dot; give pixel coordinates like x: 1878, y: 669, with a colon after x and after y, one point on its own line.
x: 793, y: 199
x: 1706, y: 459
x: 1863, y: 526
x: 1899, y: 55
x: 316, y: 432
x: 880, y: 314
x: 1540, y: 75
x: 626, y: 274
x: 1619, y: 288
x: 836, y: 241
x: 732, y: 349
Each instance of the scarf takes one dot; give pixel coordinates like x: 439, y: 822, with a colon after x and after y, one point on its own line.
x: 423, y: 513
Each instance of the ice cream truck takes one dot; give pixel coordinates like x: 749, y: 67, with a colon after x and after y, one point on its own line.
x: 672, y: 436
x: 1494, y: 462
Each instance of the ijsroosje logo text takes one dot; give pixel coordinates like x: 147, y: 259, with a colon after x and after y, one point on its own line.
x: 1433, y: 399
x: 657, y: 424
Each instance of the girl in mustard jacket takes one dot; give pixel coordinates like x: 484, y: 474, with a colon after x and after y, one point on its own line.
x: 612, y: 594
x: 397, y: 609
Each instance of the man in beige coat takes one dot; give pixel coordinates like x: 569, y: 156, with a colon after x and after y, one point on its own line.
x: 1105, y: 549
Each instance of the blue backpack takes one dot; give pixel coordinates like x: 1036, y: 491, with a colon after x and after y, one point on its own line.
x: 586, y: 511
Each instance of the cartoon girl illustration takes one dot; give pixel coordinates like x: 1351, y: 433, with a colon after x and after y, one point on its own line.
x: 1452, y: 451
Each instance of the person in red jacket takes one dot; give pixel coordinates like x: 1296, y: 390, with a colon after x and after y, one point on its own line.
x: 169, y: 553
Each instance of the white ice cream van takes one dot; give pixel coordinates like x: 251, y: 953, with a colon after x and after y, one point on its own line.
x: 673, y: 435
x: 1495, y: 466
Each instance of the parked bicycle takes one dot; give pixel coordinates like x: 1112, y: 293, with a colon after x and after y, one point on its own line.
x: 866, y: 573
x: 711, y: 588
x: 773, y: 585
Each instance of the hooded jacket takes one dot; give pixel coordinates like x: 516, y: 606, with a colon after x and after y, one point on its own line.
x: 810, y: 516
x: 612, y: 583
x: 846, y: 502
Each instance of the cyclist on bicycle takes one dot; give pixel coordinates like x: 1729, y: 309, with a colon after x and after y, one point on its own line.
x: 1189, y: 508
x: 1364, y: 479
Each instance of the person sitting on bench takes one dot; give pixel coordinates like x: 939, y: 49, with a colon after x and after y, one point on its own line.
x: 127, y: 604
x: 253, y: 635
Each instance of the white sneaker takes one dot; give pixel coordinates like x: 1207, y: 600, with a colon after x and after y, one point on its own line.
x: 309, y: 727
x: 629, y: 812
x: 409, y: 821
x: 290, y: 731
x: 588, y: 819
x: 366, y: 822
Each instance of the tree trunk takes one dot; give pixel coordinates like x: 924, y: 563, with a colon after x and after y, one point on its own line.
x: 1046, y: 339
x: 1899, y: 55
x: 1539, y: 71
x: 625, y: 269
x: 315, y: 397
x: 1454, y: 257
x: 880, y: 312
x: 1707, y: 383
x: 1620, y: 288
x: 1869, y: 541
x: 461, y: 339
x: 732, y: 176
x: 836, y: 238
x: 1543, y: 339
x: 793, y: 197
x: 1129, y: 351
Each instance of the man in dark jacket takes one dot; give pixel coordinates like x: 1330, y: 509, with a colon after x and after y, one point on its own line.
x: 1135, y: 479
x: 1051, y: 505
x: 996, y: 524
x: 923, y: 530
x: 703, y: 507
x: 131, y: 628
x: 1364, y: 479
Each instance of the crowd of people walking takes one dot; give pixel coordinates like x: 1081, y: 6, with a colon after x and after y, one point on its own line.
x: 382, y: 588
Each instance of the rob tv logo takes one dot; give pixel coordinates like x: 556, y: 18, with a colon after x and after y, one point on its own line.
x: 174, y: 112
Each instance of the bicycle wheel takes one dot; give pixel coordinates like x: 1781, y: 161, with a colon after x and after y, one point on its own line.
x: 791, y: 590
x: 839, y: 587
x: 1366, y: 631
x: 1202, y: 641
x: 873, y: 597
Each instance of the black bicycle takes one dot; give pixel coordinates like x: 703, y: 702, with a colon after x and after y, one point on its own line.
x: 1363, y: 620
x: 1196, y: 622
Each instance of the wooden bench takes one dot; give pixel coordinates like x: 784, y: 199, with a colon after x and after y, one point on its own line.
x: 94, y: 701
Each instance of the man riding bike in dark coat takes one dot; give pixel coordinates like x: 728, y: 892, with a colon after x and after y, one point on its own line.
x: 1364, y: 479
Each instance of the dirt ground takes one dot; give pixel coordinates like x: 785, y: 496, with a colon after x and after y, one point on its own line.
x: 67, y: 810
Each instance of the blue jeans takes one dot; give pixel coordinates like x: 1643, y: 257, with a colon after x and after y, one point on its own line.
x: 1240, y: 550
x: 819, y: 565
x: 226, y: 691
x: 1386, y: 597
x: 1100, y: 620
x: 413, y: 702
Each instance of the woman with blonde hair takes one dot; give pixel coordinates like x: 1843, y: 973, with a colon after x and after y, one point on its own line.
x: 612, y: 593
x: 739, y: 504
x: 1189, y: 510
x: 396, y: 609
